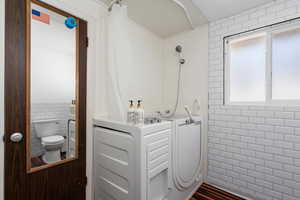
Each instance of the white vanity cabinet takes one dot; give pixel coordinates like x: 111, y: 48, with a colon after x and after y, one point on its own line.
x: 130, y: 162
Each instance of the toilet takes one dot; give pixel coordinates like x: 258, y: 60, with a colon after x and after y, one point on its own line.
x: 52, y: 141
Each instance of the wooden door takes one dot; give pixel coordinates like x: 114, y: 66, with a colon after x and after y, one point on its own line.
x: 61, y: 181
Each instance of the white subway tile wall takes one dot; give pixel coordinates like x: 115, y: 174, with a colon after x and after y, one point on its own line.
x: 253, y: 150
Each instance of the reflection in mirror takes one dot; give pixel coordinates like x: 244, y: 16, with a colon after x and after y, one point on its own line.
x: 53, y: 136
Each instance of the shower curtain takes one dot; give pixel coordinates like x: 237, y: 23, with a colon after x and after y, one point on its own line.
x: 119, y: 59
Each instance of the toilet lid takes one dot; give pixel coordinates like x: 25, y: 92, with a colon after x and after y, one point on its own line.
x: 55, y: 139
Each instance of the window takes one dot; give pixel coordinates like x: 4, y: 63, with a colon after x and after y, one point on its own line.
x: 286, y: 65
x: 263, y: 67
x: 247, y: 71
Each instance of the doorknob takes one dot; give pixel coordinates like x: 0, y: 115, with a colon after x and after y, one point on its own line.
x: 16, y: 137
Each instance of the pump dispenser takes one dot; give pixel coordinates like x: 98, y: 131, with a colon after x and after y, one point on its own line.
x: 73, y: 108
x: 140, y: 113
x: 131, y: 113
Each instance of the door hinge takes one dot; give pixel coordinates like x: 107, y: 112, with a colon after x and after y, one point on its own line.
x: 82, y: 182
x: 87, y: 42
x: 3, y: 138
x: 85, y: 181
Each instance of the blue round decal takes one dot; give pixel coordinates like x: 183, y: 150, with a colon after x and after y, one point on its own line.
x: 71, y: 22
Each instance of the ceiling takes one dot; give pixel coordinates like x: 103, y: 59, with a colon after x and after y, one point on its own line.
x: 163, y: 17
x: 168, y: 17
x: 217, y: 9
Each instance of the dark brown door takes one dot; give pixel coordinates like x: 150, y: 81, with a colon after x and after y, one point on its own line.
x: 62, y: 181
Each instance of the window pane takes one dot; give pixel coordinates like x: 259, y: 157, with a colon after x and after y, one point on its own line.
x: 247, y: 69
x: 286, y: 65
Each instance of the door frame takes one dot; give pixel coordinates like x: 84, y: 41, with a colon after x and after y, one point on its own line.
x: 28, y: 83
x: 2, y: 22
x: 16, y: 177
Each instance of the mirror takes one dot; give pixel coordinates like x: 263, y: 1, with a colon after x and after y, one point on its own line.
x: 52, y: 75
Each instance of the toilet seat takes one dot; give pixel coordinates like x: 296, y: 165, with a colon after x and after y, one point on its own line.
x: 53, y: 140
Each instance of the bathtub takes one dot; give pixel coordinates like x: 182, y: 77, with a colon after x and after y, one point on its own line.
x: 160, y: 161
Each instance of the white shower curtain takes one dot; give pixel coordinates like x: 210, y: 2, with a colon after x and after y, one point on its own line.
x: 119, y: 59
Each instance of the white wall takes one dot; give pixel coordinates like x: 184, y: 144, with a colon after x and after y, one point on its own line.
x: 154, y: 72
x: 141, y: 75
x: 253, y: 150
x: 1, y: 96
x: 194, y: 71
x: 147, y: 73
x: 194, y: 81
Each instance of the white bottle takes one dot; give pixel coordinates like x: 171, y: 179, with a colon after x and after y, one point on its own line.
x: 131, y: 113
x: 140, y: 113
x: 196, y: 107
x: 73, y: 108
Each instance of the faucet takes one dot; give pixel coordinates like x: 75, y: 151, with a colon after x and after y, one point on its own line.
x: 191, y: 120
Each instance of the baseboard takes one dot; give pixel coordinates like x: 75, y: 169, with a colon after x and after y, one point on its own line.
x: 226, y: 190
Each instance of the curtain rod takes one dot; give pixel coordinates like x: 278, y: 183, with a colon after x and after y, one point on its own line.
x: 263, y: 27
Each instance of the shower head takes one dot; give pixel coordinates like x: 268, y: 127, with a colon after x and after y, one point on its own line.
x: 112, y: 3
x: 178, y: 49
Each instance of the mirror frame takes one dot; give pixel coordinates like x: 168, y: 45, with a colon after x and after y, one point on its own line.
x: 80, y: 106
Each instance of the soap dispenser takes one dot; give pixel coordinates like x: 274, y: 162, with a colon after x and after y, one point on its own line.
x: 131, y: 113
x: 73, y: 108
x: 140, y: 113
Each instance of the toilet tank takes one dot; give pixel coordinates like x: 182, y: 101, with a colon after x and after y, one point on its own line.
x: 45, y: 128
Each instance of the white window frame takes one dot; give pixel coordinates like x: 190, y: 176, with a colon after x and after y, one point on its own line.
x: 268, y: 31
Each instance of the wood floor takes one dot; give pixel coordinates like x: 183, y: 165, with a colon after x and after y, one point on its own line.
x: 208, y: 192
x: 38, y: 161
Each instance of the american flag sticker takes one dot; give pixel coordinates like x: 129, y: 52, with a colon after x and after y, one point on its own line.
x: 39, y: 16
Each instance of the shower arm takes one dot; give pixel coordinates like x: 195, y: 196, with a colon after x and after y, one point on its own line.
x: 186, y: 12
